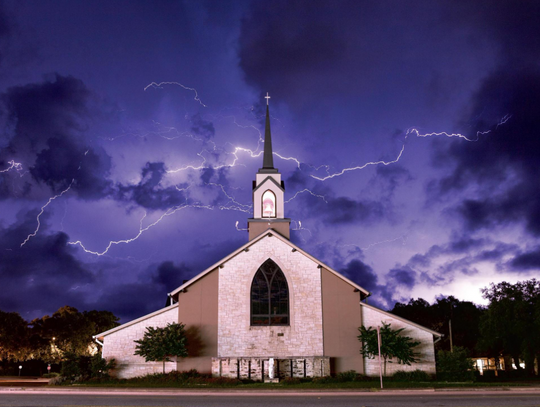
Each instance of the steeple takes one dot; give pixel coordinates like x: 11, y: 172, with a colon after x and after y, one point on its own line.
x: 268, y: 193
x: 268, y: 158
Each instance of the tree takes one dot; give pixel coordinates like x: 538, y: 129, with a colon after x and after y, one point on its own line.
x: 455, y: 366
x: 14, y: 337
x: 465, y: 317
x: 160, y: 344
x: 69, y: 330
x: 511, y: 325
x: 393, y: 344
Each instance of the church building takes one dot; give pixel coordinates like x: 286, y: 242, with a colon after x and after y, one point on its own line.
x: 268, y: 309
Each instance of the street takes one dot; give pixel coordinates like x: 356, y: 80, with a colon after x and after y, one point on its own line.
x: 267, y: 399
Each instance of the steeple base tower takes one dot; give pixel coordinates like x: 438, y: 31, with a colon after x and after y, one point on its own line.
x: 258, y: 226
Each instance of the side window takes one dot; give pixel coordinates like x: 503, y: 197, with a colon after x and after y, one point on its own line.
x: 269, y: 296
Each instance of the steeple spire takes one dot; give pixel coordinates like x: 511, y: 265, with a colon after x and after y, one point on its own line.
x: 268, y: 159
x: 268, y: 193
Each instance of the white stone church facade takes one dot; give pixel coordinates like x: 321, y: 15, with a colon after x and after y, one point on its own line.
x: 268, y: 302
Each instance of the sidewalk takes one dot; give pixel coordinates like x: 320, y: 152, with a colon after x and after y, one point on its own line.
x: 27, y: 387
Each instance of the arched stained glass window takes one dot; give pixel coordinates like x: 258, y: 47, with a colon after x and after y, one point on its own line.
x: 268, y: 204
x: 269, y: 296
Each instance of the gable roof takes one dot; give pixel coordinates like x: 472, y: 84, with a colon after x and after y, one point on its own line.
x: 264, y: 182
x: 269, y: 233
x: 401, y: 319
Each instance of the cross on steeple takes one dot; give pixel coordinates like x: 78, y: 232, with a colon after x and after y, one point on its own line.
x: 267, y: 97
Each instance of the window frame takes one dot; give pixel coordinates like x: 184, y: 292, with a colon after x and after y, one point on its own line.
x: 275, y: 204
x: 270, y: 282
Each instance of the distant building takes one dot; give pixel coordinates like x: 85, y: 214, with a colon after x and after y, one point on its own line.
x: 267, y: 302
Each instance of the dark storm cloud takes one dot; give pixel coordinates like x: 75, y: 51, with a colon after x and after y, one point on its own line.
x: 45, y: 129
x: 125, y: 301
x: 527, y: 261
x: 403, y: 276
x: 361, y: 274
x: 170, y: 276
x: 153, y: 284
x: 149, y: 193
x: 504, y: 163
x: 42, y: 271
x: 202, y: 128
x: 282, y: 39
x: 388, y: 178
x: 514, y: 24
x: 342, y: 210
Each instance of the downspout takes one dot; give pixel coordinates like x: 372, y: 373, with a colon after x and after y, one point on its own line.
x: 97, y: 340
x: 438, y: 339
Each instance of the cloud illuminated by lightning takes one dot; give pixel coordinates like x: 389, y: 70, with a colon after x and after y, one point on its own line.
x: 160, y: 86
x: 43, y: 209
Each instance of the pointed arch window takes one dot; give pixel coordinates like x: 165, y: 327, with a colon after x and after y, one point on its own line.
x: 268, y: 204
x: 269, y: 296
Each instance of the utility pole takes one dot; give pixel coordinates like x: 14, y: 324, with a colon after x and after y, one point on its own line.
x: 451, y: 343
x: 379, y: 344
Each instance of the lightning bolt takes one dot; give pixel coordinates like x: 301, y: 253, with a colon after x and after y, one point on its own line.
x: 239, y: 207
x: 416, y: 133
x: 309, y: 192
x: 43, y: 210
x: 239, y: 229
x: 297, y: 226
x: 160, y: 86
x: 169, y: 212
x: 142, y: 229
x: 13, y: 165
x: 403, y: 239
x: 360, y: 167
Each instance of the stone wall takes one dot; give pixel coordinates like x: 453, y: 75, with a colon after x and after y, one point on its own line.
x: 303, y: 337
x: 373, y: 317
x: 254, y: 368
x: 120, y: 345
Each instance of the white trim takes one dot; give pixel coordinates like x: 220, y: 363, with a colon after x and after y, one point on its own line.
x: 127, y: 324
x: 401, y: 319
x: 266, y: 234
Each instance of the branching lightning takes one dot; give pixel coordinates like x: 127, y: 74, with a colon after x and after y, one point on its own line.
x: 13, y: 166
x: 142, y: 229
x: 416, y: 133
x: 240, y: 207
x: 309, y: 192
x: 361, y: 167
x: 160, y: 86
x: 43, y: 209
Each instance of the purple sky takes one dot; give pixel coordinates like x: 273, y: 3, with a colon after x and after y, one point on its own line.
x: 114, y: 189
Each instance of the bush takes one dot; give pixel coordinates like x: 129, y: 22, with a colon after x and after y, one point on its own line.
x: 348, y: 376
x: 414, y: 376
x: 487, y: 376
x: 50, y: 375
x: 455, y: 366
x: 291, y: 380
x: 100, y: 367
x: 70, y: 366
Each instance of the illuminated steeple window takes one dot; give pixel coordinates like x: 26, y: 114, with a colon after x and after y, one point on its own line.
x: 269, y: 205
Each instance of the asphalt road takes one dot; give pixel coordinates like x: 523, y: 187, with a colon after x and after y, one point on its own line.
x: 221, y: 399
